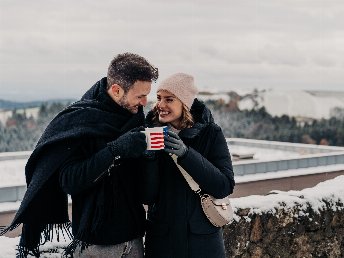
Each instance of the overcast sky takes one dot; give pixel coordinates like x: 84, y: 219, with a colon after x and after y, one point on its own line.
x: 58, y: 49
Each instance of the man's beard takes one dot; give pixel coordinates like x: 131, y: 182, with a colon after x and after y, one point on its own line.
x: 123, y: 102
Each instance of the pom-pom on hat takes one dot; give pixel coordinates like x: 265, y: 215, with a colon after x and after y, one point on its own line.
x: 182, y: 86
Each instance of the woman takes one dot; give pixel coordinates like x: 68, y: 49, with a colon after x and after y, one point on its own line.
x: 177, y: 226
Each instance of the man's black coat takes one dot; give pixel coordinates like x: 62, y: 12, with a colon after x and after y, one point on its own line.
x: 70, y: 155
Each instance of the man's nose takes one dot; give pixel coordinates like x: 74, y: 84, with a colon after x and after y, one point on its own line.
x: 143, y: 101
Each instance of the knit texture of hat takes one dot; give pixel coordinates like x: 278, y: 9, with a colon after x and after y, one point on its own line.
x: 182, y: 86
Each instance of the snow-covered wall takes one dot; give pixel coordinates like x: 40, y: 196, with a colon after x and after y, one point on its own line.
x: 307, y: 223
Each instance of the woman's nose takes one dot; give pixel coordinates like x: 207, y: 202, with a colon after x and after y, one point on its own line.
x: 161, y: 104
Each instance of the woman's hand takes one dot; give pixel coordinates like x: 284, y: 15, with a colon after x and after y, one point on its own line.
x: 174, y: 145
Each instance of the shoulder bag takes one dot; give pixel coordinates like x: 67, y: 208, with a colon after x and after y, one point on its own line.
x: 218, y: 211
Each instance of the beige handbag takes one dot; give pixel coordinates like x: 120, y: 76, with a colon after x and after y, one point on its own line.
x: 218, y: 211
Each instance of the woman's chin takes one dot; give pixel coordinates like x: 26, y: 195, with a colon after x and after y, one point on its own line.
x: 163, y: 120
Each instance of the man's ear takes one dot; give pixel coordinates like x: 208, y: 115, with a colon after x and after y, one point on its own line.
x: 116, y: 92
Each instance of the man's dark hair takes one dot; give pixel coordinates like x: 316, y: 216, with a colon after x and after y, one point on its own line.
x: 125, y: 69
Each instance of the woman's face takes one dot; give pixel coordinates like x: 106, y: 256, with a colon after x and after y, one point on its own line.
x: 169, y: 107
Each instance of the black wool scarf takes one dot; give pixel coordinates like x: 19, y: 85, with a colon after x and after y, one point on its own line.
x: 44, y: 208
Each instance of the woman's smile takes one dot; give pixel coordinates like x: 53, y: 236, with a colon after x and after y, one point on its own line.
x: 163, y: 113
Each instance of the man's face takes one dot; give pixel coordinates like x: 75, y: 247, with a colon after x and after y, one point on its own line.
x: 136, y: 96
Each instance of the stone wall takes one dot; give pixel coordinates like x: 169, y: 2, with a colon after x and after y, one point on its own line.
x: 301, y: 226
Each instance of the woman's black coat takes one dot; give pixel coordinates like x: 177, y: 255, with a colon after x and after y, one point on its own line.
x: 177, y: 226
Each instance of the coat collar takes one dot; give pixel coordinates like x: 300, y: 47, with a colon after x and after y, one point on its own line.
x: 98, y: 92
x: 202, y: 117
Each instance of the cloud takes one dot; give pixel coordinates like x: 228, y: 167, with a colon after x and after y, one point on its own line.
x: 63, y: 46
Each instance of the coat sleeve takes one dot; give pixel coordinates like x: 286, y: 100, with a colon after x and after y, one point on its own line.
x: 215, y: 174
x: 78, y: 173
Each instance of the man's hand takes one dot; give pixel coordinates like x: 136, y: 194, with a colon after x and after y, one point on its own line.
x: 174, y: 145
x: 132, y: 144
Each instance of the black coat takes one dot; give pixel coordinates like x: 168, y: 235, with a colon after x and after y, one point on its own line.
x: 69, y: 156
x: 177, y: 226
x: 107, y: 208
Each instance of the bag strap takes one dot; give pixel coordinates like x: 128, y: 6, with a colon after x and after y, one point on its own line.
x: 193, y: 185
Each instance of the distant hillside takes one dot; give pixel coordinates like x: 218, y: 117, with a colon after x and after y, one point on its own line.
x: 10, y: 105
x: 295, y: 103
x: 7, y: 108
x: 6, y: 105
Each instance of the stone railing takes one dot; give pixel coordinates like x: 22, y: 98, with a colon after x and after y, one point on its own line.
x: 308, y: 155
x: 307, y: 223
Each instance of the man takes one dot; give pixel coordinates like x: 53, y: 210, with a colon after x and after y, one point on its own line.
x: 91, y: 150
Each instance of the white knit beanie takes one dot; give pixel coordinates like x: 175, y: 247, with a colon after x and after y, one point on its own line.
x: 182, y: 86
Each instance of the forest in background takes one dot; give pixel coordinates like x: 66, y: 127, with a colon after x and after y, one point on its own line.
x: 21, y: 132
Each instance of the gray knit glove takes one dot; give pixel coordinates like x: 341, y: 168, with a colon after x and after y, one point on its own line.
x: 129, y: 145
x: 174, y: 145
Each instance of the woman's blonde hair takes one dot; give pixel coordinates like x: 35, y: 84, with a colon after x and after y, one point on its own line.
x: 186, y: 120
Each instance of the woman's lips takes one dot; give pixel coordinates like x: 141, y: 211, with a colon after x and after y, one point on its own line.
x: 163, y: 113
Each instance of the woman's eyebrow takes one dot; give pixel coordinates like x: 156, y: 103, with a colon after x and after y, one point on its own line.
x: 168, y: 97
x: 165, y: 97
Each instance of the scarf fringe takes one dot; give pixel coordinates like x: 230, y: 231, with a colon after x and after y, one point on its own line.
x: 23, y: 252
x: 50, y: 232
x: 70, y: 250
x: 5, y: 229
x: 56, y: 230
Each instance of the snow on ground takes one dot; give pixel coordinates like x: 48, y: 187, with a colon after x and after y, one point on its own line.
x: 9, y: 206
x: 215, y: 96
x: 315, y: 196
x: 263, y: 154
x: 30, y: 112
x: 12, y: 172
x: 288, y: 102
x: 299, y: 103
x: 289, y: 173
x: 8, y: 247
x: 328, y: 190
x: 4, y: 115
